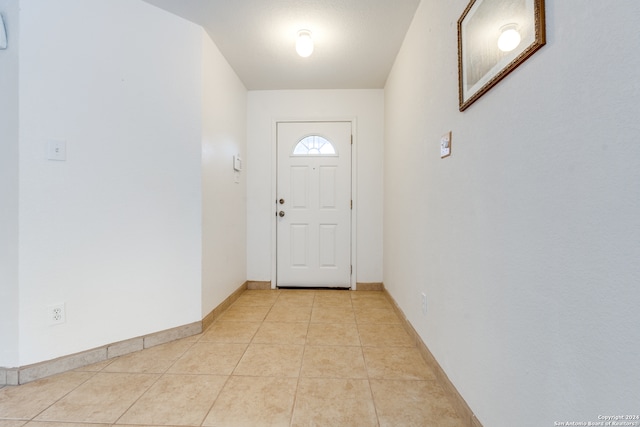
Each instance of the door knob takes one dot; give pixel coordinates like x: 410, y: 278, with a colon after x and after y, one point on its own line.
x: 281, y: 214
x: 282, y: 201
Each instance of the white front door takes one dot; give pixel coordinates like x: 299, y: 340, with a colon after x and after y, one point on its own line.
x: 314, y: 204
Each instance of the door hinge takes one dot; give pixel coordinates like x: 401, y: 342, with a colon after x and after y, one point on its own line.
x: 352, y: 204
x: 352, y: 270
x: 351, y: 139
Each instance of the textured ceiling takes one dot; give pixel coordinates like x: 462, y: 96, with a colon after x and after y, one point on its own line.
x: 356, y: 41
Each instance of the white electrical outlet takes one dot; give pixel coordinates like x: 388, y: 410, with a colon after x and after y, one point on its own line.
x: 56, y: 314
x: 424, y: 304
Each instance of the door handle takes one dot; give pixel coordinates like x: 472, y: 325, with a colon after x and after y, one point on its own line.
x: 281, y: 214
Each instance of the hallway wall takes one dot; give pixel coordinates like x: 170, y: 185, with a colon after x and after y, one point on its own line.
x: 526, y: 240
x: 114, y: 231
x: 224, y: 201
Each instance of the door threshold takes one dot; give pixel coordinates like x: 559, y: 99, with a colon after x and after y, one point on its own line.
x: 316, y: 288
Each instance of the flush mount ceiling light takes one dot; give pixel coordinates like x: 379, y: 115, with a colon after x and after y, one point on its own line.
x: 304, y: 43
x: 509, y: 37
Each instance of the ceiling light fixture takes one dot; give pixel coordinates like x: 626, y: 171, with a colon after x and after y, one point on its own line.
x: 304, y: 43
x: 509, y: 37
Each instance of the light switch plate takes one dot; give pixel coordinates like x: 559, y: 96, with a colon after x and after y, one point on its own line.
x: 57, y: 149
x: 445, y: 145
x: 237, y: 163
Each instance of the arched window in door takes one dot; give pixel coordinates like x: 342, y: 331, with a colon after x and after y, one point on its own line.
x: 314, y: 145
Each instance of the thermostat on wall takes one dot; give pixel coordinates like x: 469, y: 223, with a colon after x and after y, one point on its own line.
x: 237, y: 163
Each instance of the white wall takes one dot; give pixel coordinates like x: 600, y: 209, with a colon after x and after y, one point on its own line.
x: 266, y: 107
x: 9, y: 291
x: 224, y: 236
x: 527, y: 239
x: 115, y: 231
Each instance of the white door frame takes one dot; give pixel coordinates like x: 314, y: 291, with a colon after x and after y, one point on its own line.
x: 274, y: 195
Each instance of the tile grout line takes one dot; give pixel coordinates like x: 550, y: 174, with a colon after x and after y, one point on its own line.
x: 219, y: 319
x: 366, y: 369
x: 166, y: 373
x: 206, y: 415
x: 137, y: 399
x: 160, y: 375
x: 306, y: 338
x: 93, y: 374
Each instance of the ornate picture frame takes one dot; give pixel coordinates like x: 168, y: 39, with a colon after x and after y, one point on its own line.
x: 495, y: 37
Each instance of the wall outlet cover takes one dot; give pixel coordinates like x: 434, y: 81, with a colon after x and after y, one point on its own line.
x: 56, y: 314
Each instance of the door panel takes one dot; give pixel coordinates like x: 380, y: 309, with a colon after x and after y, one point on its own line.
x: 327, y: 245
x: 328, y: 187
x: 299, y: 245
x: 299, y: 187
x: 314, y: 222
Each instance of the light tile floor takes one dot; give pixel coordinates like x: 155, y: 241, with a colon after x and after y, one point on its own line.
x: 274, y: 358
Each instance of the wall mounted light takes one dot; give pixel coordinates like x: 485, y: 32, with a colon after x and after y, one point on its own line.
x: 304, y: 43
x: 3, y: 34
x: 509, y: 37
